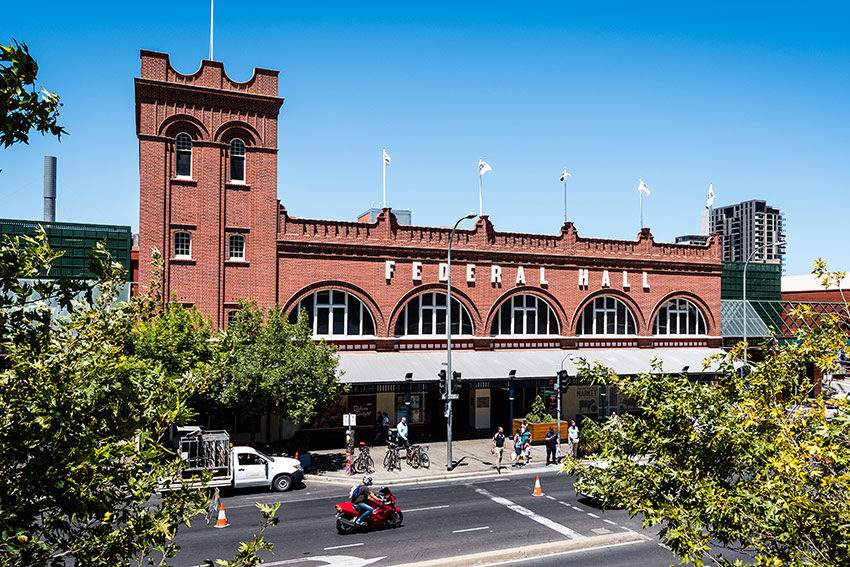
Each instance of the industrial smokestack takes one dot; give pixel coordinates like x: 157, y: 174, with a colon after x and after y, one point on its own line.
x: 50, y: 188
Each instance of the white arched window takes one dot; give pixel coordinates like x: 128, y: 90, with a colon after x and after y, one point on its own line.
x: 606, y: 316
x: 236, y: 247
x: 334, y: 312
x: 183, y: 155
x: 679, y: 317
x: 182, y: 245
x: 525, y: 315
x: 425, y: 314
x: 237, y: 161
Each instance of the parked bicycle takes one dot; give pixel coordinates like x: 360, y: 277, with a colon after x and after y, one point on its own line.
x: 417, y: 457
x: 392, y: 459
x: 363, y: 463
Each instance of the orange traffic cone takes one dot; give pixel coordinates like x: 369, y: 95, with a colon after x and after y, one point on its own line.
x: 537, y: 491
x: 296, y: 455
x: 222, y: 519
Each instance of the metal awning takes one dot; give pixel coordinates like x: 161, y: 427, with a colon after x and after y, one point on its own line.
x: 389, y: 367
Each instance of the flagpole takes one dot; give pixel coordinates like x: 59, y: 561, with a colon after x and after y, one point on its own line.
x: 480, y: 194
x: 384, y: 176
x: 212, y: 3
x: 641, y: 209
x: 565, y: 200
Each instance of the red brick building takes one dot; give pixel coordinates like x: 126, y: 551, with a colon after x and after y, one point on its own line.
x: 521, y: 302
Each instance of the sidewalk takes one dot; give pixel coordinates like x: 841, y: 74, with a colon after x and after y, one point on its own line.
x: 472, y: 458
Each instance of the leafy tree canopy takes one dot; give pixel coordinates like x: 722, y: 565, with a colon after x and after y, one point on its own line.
x: 273, y: 365
x: 748, y: 461
x: 24, y: 105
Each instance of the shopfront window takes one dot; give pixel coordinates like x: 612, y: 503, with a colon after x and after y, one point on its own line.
x: 414, y: 412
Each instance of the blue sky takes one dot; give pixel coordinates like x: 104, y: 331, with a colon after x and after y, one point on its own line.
x: 750, y: 96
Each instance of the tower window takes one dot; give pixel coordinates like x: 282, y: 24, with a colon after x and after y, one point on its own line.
x: 183, y: 154
x: 237, y: 161
x: 182, y: 245
x: 236, y: 247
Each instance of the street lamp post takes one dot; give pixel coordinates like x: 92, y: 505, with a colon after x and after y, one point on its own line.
x: 746, y: 265
x: 449, y: 463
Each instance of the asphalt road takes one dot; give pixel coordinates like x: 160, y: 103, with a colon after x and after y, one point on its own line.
x: 441, y: 520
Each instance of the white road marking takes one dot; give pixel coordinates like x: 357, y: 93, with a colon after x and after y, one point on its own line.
x: 576, y: 508
x: 331, y: 560
x: 470, y: 530
x: 610, y: 522
x: 560, y: 528
x: 426, y: 508
x: 341, y: 546
x: 585, y: 549
x: 550, y: 497
x: 664, y: 546
x: 593, y: 515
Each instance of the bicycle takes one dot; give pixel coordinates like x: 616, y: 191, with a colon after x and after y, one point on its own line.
x: 363, y: 463
x: 392, y: 460
x: 418, y: 457
x: 213, y: 508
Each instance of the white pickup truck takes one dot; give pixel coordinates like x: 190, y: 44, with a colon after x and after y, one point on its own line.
x: 235, y: 467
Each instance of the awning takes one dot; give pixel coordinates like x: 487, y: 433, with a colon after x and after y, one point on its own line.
x: 388, y: 367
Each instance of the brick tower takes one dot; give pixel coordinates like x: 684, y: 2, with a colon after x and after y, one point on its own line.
x: 208, y: 182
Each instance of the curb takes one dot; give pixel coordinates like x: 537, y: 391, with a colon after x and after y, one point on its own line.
x: 517, y: 554
x: 322, y: 479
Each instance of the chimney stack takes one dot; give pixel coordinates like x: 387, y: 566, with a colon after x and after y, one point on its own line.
x: 49, y: 188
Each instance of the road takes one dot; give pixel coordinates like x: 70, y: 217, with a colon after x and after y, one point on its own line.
x: 441, y: 520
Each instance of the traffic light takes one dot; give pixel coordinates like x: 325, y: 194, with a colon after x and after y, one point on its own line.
x: 563, y: 380
x: 442, y: 376
x: 455, y: 382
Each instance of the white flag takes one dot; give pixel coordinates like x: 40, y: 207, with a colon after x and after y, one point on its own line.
x: 483, y: 167
x: 710, y: 201
x: 564, y: 176
x: 642, y: 188
x: 386, y: 157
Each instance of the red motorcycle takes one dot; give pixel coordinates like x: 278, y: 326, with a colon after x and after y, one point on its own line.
x: 386, y: 513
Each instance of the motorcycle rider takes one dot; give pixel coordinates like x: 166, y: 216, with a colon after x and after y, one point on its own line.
x: 359, y: 497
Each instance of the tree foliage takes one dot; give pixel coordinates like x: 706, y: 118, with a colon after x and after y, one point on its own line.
x: 748, y: 461
x: 275, y: 366
x: 24, y: 105
x: 85, y: 399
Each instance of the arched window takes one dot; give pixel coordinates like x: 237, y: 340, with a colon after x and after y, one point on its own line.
x: 679, y: 317
x: 606, y: 316
x: 183, y: 154
x: 333, y: 312
x: 425, y: 314
x: 525, y: 315
x: 236, y: 247
x: 182, y: 245
x: 237, y: 161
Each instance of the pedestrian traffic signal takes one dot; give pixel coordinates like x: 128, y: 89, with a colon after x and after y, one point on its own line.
x: 456, y: 385
x: 442, y: 375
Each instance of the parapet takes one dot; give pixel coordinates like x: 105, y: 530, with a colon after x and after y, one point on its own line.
x: 156, y: 66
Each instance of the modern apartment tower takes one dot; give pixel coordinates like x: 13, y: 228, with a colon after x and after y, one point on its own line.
x: 750, y: 230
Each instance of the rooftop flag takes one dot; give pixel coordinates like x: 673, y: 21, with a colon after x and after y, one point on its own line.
x: 710, y: 201
x: 483, y: 167
x: 643, y: 189
x: 387, y: 159
x: 564, y: 176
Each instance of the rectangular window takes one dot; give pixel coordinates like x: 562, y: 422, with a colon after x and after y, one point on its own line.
x: 182, y: 245
x: 441, y: 322
x: 353, y: 318
x: 236, y: 247
x: 322, y: 316
x: 339, y: 320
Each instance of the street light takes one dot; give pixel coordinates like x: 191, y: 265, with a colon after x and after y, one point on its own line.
x: 746, y: 265
x: 449, y: 393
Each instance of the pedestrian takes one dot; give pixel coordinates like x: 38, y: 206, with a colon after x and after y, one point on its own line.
x: 572, y: 433
x: 525, y: 431
x: 551, y: 440
x: 385, y: 424
x: 526, y: 452
x: 401, y: 428
x: 517, y: 448
x: 498, y: 447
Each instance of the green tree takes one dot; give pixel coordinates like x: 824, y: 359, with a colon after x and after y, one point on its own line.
x: 276, y: 366
x: 748, y: 462
x: 83, y: 413
x: 24, y: 105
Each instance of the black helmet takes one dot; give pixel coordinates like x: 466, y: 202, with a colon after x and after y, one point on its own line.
x: 367, y: 480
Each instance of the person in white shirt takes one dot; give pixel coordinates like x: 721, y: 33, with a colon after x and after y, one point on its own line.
x: 572, y: 435
x: 401, y: 428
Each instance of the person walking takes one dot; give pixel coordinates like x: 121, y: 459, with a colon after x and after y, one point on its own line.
x: 572, y: 433
x: 517, y: 448
x: 551, y: 440
x: 498, y: 447
x: 401, y: 428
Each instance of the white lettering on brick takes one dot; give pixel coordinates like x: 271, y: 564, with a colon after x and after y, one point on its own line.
x: 606, y: 279
x: 470, y: 273
x: 583, y: 278
x: 496, y: 275
x: 389, y: 267
x: 520, y: 276
x: 417, y: 271
x: 645, y: 281
x: 444, y: 272
x: 626, y: 284
x: 543, y: 280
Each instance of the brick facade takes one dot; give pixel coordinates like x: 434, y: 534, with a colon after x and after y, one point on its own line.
x: 287, y: 257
